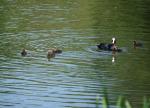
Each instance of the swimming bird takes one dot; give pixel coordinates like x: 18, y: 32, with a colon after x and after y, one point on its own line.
x: 24, y: 52
x: 137, y: 44
x: 109, y: 47
x: 52, y: 52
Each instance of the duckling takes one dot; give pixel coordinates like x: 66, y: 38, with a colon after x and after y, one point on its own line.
x: 50, y: 53
x: 24, y: 52
x: 136, y: 44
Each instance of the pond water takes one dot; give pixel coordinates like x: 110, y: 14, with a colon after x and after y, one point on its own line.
x: 74, y: 78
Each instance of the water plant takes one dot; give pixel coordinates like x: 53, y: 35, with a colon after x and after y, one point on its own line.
x: 146, y: 102
x: 121, y: 102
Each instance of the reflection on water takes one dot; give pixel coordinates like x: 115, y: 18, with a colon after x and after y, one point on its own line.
x: 76, y: 76
x: 113, y: 56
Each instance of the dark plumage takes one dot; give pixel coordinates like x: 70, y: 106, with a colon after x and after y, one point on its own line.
x: 104, y: 46
x: 137, y: 44
x: 24, y: 52
x: 109, y: 47
x: 58, y: 51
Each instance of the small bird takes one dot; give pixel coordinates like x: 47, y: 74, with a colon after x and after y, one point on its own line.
x: 137, y: 44
x: 24, y: 52
x: 50, y: 53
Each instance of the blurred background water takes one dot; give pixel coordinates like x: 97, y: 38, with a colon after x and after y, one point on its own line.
x: 74, y: 78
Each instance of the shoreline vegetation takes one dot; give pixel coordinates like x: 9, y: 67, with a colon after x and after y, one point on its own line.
x: 121, y: 102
